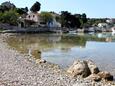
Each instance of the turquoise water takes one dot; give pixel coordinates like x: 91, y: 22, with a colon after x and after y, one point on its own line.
x: 64, y: 49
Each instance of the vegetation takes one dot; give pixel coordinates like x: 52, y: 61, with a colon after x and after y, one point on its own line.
x: 35, y: 7
x: 95, y: 21
x: 9, y: 17
x: 22, y: 10
x: 72, y: 21
x: 9, y: 13
x: 6, y: 6
x: 46, y: 16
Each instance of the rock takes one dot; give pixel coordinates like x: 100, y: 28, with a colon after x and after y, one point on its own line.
x: 36, y: 54
x: 94, y: 77
x: 106, y: 75
x: 79, y: 68
x: 40, y: 61
x: 92, y: 66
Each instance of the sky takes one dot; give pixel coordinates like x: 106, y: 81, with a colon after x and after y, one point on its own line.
x: 92, y: 8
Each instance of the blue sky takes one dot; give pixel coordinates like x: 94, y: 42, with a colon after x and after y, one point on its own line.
x: 93, y: 8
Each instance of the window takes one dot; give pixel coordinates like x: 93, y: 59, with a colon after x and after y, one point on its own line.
x: 29, y: 16
x: 33, y: 16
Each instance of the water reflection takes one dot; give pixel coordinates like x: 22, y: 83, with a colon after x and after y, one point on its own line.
x: 29, y: 43
x: 64, y: 49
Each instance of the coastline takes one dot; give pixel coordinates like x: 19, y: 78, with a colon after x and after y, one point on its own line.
x: 21, y: 70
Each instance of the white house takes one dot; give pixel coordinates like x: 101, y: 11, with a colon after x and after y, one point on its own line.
x: 30, y: 20
x: 102, y: 25
x: 33, y: 17
x: 35, y: 20
x: 53, y: 23
x: 111, y: 21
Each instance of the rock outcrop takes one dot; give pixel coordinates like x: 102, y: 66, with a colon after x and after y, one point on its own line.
x: 106, y: 75
x: 88, y: 70
x: 93, y: 77
x: 93, y: 67
x: 79, y: 68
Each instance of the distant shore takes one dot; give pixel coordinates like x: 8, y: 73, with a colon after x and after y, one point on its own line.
x: 7, y: 28
x: 21, y: 70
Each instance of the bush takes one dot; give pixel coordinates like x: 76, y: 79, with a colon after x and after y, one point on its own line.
x: 9, y: 17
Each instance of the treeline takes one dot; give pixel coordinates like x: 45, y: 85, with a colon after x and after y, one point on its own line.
x: 10, y: 14
x: 73, y: 20
x: 96, y: 21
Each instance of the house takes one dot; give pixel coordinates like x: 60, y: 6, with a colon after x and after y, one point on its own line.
x: 30, y: 20
x: 102, y: 25
x: 35, y: 20
x: 111, y: 21
x: 53, y: 23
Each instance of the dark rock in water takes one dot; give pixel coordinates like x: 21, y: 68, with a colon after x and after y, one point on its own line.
x: 106, y: 75
x: 92, y: 66
x: 36, y: 54
x: 79, y: 68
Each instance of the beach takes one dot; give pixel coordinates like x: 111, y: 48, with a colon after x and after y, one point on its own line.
x: 17, y: 69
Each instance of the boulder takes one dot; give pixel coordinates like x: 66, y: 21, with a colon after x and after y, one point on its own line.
x: 79, y: 68
x: 92, y: 66
x: 94, y: 77
x: 106, y: 75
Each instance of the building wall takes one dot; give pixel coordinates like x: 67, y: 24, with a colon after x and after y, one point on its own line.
x: 33, y: 16
x: 38, y: 21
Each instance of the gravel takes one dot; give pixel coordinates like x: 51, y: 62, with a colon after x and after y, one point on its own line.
x: 21, y: 70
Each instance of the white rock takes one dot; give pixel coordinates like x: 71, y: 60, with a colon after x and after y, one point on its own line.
x: 92, y: 66
x: 79, y: 68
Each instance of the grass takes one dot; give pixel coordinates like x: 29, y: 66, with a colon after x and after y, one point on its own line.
x: 1, y: 30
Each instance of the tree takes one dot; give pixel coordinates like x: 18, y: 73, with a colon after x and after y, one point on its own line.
x: 6, y: 6
x: 9, y: 17
x: 84, y: 18
x: 35, y: 7
x: 69, y: 20
x: 65, y: 17
x: 22, y: 10
x: 46, y: 16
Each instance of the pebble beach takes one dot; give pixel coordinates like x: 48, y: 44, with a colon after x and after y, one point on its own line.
x: 17, y: 69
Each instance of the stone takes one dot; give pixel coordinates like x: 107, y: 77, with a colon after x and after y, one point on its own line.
x: 106, y: 75
x: 40, y: 61
x: 79, y: 68
x: 36, y: 54
x: 92, y: 66
x: 94, y: 77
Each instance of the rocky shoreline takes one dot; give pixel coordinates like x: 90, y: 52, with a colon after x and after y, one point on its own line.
x: 21, y: 70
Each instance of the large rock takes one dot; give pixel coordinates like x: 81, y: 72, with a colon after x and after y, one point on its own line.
x: 106, y: 75
x: 79, y: 68
x: 93, y: 77
x: 92, y: 66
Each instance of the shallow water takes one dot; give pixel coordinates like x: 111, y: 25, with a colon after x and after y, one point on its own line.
x: 64, y: 49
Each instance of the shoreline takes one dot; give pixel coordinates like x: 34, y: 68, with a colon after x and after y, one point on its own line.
x: 21, y: 70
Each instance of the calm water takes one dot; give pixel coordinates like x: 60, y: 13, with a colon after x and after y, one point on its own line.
x: 64, y: 49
